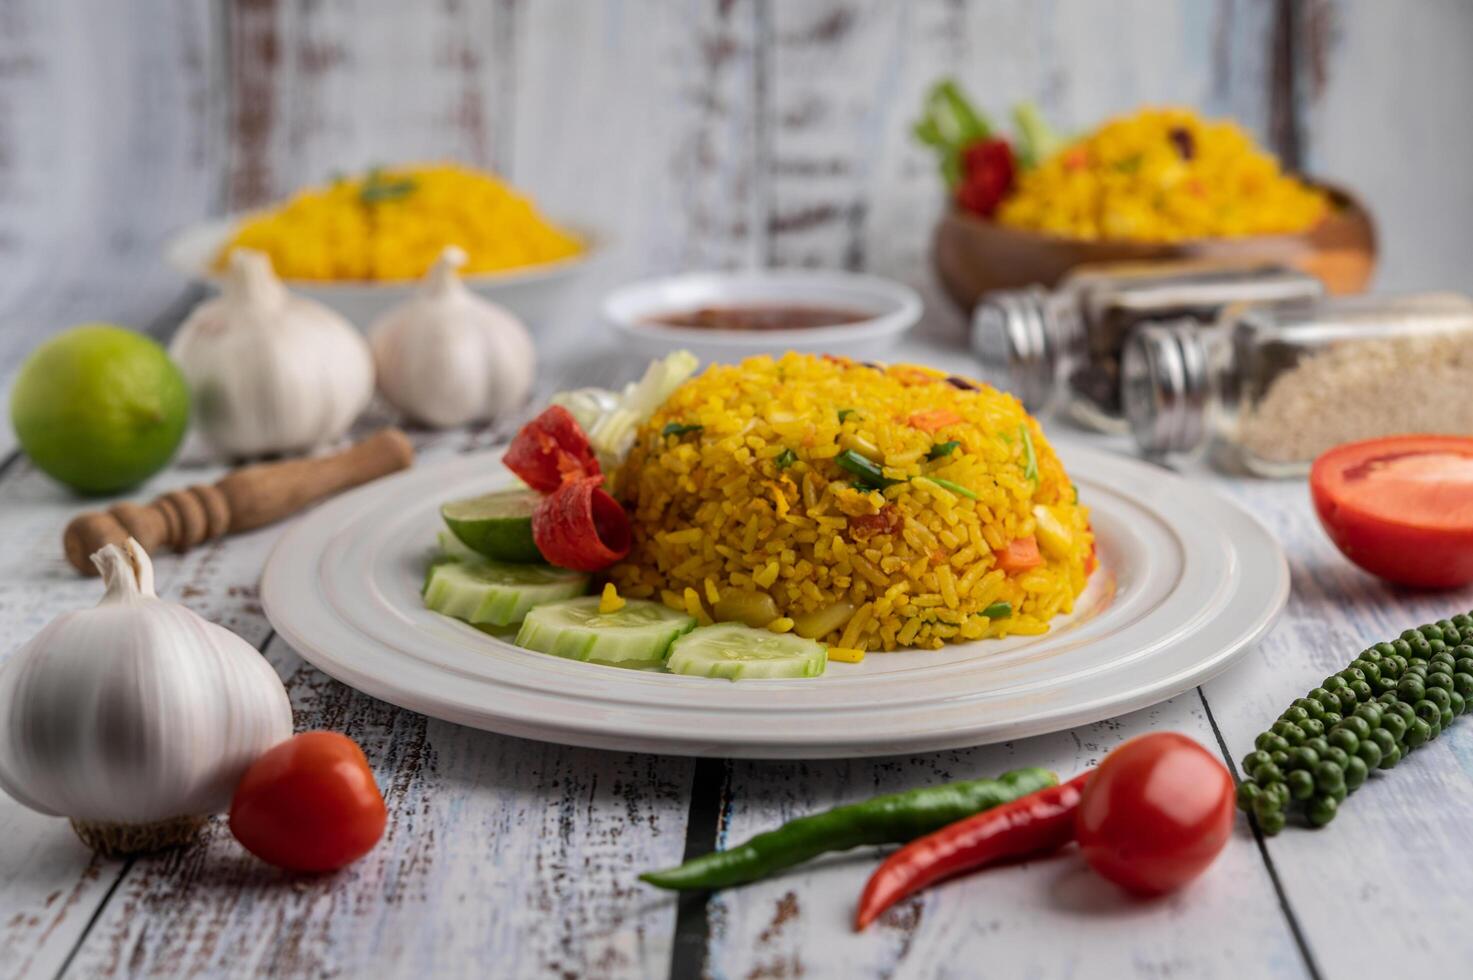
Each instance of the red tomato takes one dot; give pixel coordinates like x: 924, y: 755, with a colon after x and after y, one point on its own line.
x: 309, y: 804
x: 1401, y: 508
x: 1155, y: 814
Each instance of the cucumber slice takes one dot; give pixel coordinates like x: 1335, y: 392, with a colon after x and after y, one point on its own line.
x: 454, y: 549
x: 638, y: 635
x: 496, y: 525
x: 496, y: 594
x: 739, y: 652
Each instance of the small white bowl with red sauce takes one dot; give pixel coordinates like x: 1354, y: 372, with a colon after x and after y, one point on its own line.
x: 728, y: 316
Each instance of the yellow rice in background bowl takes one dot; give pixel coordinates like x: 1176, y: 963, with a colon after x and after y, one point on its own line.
x: 752, y: 507
x: 1163, y: 175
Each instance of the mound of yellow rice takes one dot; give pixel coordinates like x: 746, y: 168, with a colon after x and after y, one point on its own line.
x: 391, y: 225
x: 1163, y: 175
x: 752, y: 504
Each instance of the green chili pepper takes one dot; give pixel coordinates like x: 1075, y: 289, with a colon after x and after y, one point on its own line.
x: 844, y: 413
x: 786, y: 458
x: 893, y: 819
x: 679, y: 429
x: 998, y: 610
x: 1030, y: 458
x: 955, y: 488
x: 870, y: 473
x: 943, y: 449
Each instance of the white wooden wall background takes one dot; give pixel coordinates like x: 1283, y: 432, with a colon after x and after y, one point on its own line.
x: 697, y: 133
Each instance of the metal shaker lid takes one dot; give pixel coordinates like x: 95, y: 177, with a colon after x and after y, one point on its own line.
x: 1165, y: 385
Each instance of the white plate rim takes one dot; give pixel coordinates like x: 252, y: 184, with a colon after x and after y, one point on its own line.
x: 1251, y: 586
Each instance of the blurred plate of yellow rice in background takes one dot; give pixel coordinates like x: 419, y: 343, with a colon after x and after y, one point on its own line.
x: 360, y: 243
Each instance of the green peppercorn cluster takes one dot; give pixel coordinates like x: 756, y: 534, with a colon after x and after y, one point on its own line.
x: 1392, y: 698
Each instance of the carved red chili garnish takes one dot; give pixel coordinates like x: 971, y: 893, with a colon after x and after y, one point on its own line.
x: 580, y: 527
x: 551, y: 450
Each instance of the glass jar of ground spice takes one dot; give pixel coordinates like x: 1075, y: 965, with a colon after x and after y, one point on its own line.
x: 1279, y: 384
x: 1060, y: 349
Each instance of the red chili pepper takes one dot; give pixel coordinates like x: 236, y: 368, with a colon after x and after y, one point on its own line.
x: 580, y: 527
x: 1034, y: 824
x: 551, y: 450
x: 988, y: 171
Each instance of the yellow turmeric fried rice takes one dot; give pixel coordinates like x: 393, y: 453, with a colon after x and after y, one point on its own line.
x: 869, y: 507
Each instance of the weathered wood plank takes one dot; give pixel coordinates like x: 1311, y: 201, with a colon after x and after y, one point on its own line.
x: 1047, y: 918
x: 1384, y: 113
x: 847, y: 78
x: 108, y: 144
x: 52, y: 887
x: 745, y: 130
x: 318, y: 89
x: 1383, y: 888
x: 540, y: 838
x: 618, y: 118
x: 52, y: 884
x: 640, y: 124
x: 502, y: 857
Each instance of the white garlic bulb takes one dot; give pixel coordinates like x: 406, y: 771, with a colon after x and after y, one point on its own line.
x: 136, y: 717
x: 447, y: 356
x: 271, y: 372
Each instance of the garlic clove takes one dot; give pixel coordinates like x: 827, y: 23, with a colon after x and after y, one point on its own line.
x: 443, y: 279
x: 135, y: 718
x: 251, y: 281
x: 271, y: 372
x: 447, y: 356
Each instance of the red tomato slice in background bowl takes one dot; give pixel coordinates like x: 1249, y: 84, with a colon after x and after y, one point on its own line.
x: 1400, y: 507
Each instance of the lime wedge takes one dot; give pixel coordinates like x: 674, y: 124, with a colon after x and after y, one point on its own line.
x: 496, y: 525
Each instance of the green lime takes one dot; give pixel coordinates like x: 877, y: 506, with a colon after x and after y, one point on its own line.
x: 99, y: 408
x: 497, y: 525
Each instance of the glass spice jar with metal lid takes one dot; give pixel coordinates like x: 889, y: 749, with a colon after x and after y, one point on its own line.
x: 1060, y: 349
x: 1279, y: 384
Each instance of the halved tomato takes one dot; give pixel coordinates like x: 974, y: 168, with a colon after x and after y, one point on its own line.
x: 1401, y: 507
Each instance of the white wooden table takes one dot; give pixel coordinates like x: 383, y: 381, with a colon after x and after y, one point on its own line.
x: 509, y: 858
x: 728, y: 132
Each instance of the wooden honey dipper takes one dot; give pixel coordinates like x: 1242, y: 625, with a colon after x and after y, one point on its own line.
x: 248, y: 498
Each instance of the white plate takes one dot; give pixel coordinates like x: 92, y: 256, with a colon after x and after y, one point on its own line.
x: 890, y: 309
x: 528, y: 292
x: 1187, y: 582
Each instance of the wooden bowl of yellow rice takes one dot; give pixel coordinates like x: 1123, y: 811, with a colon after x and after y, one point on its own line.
x: 974, y: 256
x: 1160, y: 183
